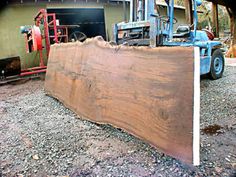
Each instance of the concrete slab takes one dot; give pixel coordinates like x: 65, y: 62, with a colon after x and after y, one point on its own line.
x: 230, y: 61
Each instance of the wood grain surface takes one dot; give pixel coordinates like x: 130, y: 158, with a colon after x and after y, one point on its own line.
x: 148, y: 92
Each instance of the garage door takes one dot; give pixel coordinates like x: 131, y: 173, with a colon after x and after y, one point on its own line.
x: 90, y: 21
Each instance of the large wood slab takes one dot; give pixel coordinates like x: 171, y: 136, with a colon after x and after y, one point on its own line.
x: 149, y: 92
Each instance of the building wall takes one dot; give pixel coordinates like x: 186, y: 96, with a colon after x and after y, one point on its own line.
x: 13, y: 16
x: 113, y: 14
x: 179, y: 14
x: 12, y: 42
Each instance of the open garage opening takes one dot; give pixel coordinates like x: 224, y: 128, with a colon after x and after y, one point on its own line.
x: 80, y: 21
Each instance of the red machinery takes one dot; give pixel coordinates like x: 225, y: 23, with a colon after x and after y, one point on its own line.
x: 10, y: 68
x: 52, y: 33
x: 34, y: 38
x: 34, y: 42
x: 45, y: 32
x: 49, y: 23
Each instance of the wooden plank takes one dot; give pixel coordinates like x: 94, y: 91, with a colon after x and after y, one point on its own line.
x: 148, y: 92
x: 196, y: 109
x: 215, y: 20
x: 188, y: 11
x: 232, y: 14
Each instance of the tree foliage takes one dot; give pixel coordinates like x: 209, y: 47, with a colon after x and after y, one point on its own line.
x: 205, y: 19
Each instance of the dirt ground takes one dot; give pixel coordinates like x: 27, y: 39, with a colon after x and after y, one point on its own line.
x: 40, y: 137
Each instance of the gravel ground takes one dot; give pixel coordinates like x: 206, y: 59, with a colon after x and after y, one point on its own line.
x: 40, y: 137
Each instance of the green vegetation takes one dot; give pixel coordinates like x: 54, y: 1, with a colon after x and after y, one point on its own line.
x: 205, y: 18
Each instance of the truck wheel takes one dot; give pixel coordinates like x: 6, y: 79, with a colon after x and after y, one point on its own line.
x: 217, y: 64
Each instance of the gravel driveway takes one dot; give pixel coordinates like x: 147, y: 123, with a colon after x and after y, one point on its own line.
x: 40, y: 137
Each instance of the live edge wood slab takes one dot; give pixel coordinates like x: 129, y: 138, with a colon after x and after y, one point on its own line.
x: 152, y: 93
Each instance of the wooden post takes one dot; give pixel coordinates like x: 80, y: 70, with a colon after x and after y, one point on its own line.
x: 234, y: 35
x: 215, y: 20
x: 233, y: 27
x: 232, y: 15
x: 188, y: 11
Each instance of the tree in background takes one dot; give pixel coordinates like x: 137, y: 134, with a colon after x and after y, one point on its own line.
x: 205, y: 19
x: 224, y: 21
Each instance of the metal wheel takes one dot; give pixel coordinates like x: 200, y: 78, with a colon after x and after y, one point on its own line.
x: 217, y: 64
x: 77, y: 36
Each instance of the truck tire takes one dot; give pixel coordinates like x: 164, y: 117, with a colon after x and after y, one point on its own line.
x: 217, y: 64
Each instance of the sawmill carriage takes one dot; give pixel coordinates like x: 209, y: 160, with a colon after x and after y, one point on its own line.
x: 45, y: 32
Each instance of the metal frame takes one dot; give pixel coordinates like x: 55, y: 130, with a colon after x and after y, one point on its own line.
x: 140, y: 18
x: 161, y: 33
x: 41, y: 18
x: 48, y: 20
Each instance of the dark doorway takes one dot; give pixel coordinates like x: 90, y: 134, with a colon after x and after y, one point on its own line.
x: 91, y: 21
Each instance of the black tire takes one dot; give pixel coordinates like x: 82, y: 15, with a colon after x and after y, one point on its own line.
x: 217, y: 64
